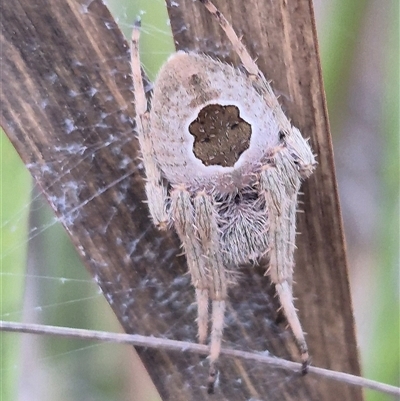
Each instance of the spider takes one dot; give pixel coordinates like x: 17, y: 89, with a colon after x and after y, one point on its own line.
x: 223, y: 167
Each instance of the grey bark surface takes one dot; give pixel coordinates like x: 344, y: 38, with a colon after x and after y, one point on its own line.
x: 81, y: 150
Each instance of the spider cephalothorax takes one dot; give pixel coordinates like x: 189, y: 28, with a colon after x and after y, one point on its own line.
x: 243, y: 223
x: 223, y: 166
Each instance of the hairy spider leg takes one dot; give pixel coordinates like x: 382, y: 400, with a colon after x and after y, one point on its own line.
x: 201, y: 246
x: 260, y: 83
x: 282, y: 217
x: 238, y: 46
x: 183, y: 214
x: 206, y: 222
x: 156, y: 191
x: 280, y: 185
x: 196, y: 224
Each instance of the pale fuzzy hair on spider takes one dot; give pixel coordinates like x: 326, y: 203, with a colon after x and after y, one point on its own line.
x: 223, y: 167
x: 243, y: 221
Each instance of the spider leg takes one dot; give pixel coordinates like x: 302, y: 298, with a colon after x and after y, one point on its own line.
x: 156, y: 191
x: 197, y: 228
x: 206, y: 223
x: 239, y: 47
x: 259, y: 81
x: 280, y: 185
x: 184, y: 220
x: 140, y: 95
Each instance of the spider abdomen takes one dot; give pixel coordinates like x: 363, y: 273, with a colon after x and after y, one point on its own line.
x: 210, y: 128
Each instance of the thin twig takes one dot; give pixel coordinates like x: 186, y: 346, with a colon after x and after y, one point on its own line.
x: 184, y: 346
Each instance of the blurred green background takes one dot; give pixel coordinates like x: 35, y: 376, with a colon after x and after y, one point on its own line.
x: 43, y: 281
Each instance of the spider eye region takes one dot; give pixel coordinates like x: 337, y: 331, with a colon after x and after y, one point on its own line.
x: 221, y: 135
